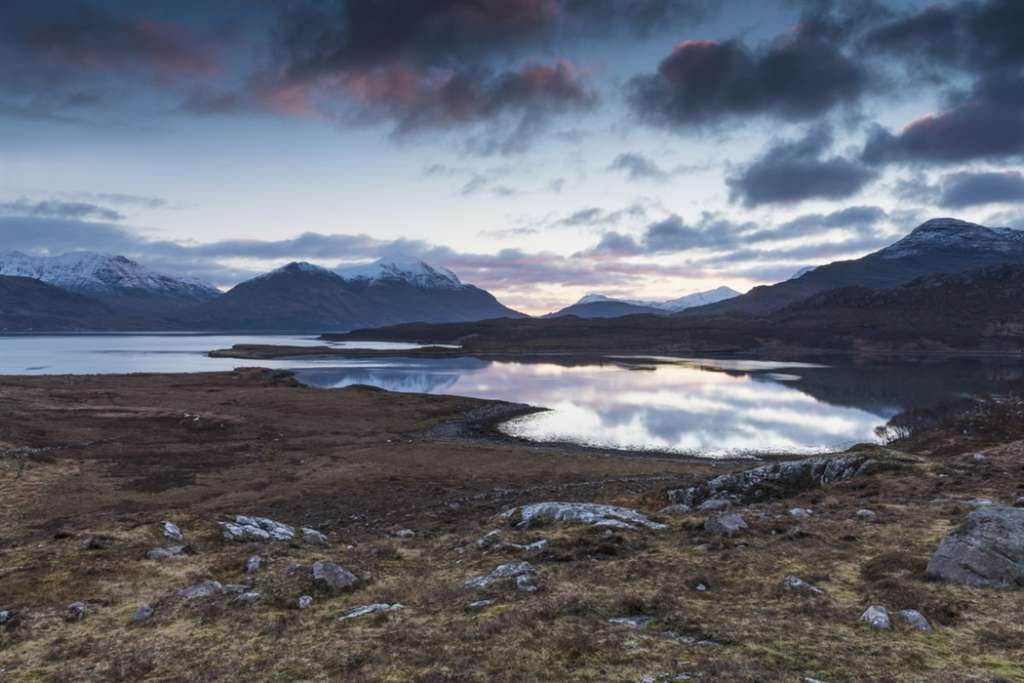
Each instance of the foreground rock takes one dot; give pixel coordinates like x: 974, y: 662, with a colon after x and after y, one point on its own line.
x: 986, y: 550
x: 582, y: 513
x: 779, y: 479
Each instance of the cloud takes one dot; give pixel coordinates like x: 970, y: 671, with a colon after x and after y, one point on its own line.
x: 801, y: 75
x: 639, y: 167
x: 59, y: 209
x: 792, y: 171
x: 964, y: 189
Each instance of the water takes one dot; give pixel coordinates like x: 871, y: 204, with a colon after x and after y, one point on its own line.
x: 711, y: 408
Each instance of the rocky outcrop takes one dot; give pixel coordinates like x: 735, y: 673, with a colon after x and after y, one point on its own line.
x: 522, y: 573
x: 986, y: 550
x: 246, y: 528
x: 779, y: 479
x: 593, y: 514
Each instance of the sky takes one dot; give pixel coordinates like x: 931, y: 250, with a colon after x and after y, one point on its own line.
x: 541, y: 149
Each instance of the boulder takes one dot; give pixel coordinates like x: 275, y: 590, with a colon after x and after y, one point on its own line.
x: 915, y: 619
x: 252, y: 564
x: 313, y: 537
x: 877, y: 616
x: 164, y: 553
x: 6, y: 617
x: 247, y: 598
x: 867, y: 515
x: 304, y: 601
x: 800, y: 513
x: 245, y: 528
x: 332, y: 578
x: 795, y: 583
x: 144, y: 612
x: 77, y: 611
x: 509, y: 570
x: 405, y: 533
x: 203, y: 589
x: 583, y: 513
x: 376, y: 607
x: 171, y: 530
x: 986, y: 550
x: 725, y: 524
x: 778, y: 479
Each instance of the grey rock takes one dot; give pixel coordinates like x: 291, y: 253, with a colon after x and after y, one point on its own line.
x: 532, y: 547
x: 979, y: 457
x: 877, y: 616
x: 252, y: 565
x: 235, y: 588
x: 986, y: 550
x: 979, y: 502
x: 800, y: 513
x: 509, y: 570
x: 480, y: 604
x: 725, y: 524
x: 376, y: 607
x: 795, y: 583
x: 867, y: 515
x: 171, y: 530
x: 332, y: 578
x: 915, y: 619
x: 77, y: 611
x: 6, y: 617
x: 312, y: 536
x: 405, y: 533
x: 714, y: 505
x: 639, y: 622
x: 780, y: 478
x: 489, y: 540
x: 1019, y: 503
x: 144, y: 612
x: 203, y: 589
x: 304, y: 601
x: 676, y: 509
x: 582, y: 513
x: 247, y: 598
x: 245, y: 528
x: 164, y: 553
x: 527, y: 583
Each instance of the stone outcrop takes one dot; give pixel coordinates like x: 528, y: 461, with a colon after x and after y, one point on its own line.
x: 986, y: 550
x: 593, y: 514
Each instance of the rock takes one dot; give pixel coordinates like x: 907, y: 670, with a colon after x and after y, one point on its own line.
x: 144, y: 612
x: 480, y: 604
x: 1019, y: 503
x: 979, y: 457
x: 979, y: 502
x: 332, y: 578
x: 171, y: 530
x: 370, y: 609
x: 313, y: 536
x: 252, y: 565
x: 800, y: 513
x: 714, y: 505
x: 247, y: 598
x: 235, y: 588
x: 96, y: 543
x: 877, y: 616
x: 256, y: 529
x: 304, y: 601
x: 679, y: 509
x: 583, y: 513
x: 915, y: 619
x: 527, y: 583
x: 641, y: 621
x: 867, y: 515
x: 405, y: 533
x: 489, y: 540
x: 77, y: 611
x: 725, y: 524
x: 203, y: 589
x: 7, y: 617
x: 986, y: 550
x: 510, y: 570
x: 164, y: 553
x: 795, y: 583
x: 780, y: 478
x: 532, y: 547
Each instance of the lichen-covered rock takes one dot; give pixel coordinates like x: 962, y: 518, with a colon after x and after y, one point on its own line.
x: 509, y: 570
x: 332, y: 578
x: 986, y: 550
x: 582, y: 513
x: 877, y: 616
x: 245, y: 528
x: 363, y: 610
x: 725, y: 524
x: 203, y: 589
x: 780, y: 478
x: 171, y: 530
x: 915, y: 619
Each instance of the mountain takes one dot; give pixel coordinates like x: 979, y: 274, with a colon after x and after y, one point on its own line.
x: 27, y: 304
x: 302, y: 296
x: 941, y: 245
x: 601, y: 306
x: 122, y: 284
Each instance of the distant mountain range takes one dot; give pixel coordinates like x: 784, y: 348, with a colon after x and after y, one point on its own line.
x: 601, y: 306
x: 116, y: 293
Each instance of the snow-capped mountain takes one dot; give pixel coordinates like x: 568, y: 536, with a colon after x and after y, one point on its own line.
x: 403, y: 269
x: 100, y: 273
x: 937, y: 246
x: 600, y: 306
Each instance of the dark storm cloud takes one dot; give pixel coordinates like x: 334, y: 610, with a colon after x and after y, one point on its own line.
x: 59, y: 209
x: 792, y: 171
x: 964, y: 189
x: 801, y: 75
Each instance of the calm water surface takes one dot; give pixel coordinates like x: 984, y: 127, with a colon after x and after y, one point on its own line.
x: 711, y: 408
